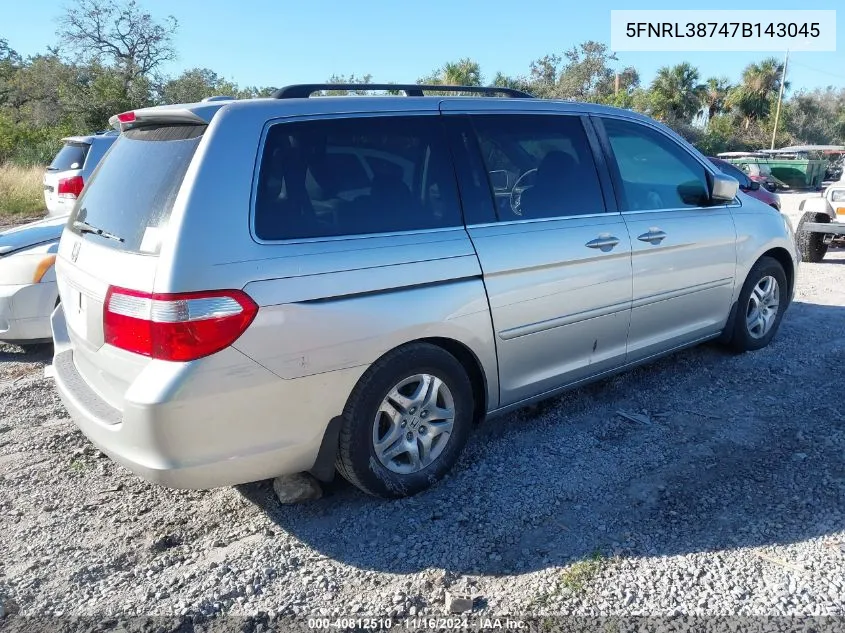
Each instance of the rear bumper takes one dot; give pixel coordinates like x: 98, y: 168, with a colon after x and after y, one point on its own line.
x: 25, y: 312
x: 58, y: 206
x: 220, y: 421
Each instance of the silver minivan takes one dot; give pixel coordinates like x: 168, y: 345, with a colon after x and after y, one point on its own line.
x: 262, y: 287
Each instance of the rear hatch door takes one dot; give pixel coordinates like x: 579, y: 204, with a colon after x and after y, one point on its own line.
x: 113, y: 238
x: 67, y: 164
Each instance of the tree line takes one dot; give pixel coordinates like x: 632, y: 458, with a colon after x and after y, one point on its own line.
x: 111, y: 55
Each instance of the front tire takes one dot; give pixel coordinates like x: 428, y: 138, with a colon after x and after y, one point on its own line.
x: 406, y: 422
x: 811, y: 245
x: 760, y: 306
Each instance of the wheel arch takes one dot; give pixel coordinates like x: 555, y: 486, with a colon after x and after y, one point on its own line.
x: 473, y: 367
x: 782, y: 256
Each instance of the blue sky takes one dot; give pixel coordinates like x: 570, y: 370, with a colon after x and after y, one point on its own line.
x: 275, y: 42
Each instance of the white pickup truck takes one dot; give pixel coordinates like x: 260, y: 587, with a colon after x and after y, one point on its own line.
x: 822, y: 224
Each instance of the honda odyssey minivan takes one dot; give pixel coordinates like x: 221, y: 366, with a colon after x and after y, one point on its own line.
x: 262, y: 287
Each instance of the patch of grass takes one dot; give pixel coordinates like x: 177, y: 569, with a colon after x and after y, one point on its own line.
x: 579, y: 574
x: 573, y: 580
x: 21, y: 190
x: 78, y: 466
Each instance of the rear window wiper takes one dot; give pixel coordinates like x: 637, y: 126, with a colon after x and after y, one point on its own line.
x: 84, y: 227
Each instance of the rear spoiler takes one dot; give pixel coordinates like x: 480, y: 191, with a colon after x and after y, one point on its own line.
x: 88, y: 139
x: 201, y: 114
x: 78, y: 140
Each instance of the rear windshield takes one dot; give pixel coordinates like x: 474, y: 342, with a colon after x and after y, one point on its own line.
x: 71, y: 156
x: 132, y: 192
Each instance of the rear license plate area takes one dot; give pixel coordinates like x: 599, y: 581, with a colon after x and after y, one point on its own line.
x: 75, y: 311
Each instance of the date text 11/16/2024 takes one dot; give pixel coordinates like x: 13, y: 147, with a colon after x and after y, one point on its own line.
x: 456, y: 623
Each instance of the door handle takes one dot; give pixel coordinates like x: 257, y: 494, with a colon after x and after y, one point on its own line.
x: 654, y: 236
x: 605, y: 242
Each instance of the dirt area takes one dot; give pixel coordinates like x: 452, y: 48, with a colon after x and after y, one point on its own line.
x: 726, y: 497
x: 10, y: 221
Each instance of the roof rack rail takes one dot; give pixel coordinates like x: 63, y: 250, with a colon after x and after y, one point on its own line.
x: 303, y: 91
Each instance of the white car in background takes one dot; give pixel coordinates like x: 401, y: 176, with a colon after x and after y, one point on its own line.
x: 28, y: 293
x: 71, y: 169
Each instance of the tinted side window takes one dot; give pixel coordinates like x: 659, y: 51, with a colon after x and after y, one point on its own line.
x: 656, y: 172
x: 540, y: 166
x: 355, y: 176
x: 71, y: 156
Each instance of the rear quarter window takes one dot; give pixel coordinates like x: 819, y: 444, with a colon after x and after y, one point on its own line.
x: 355, y: 176
x: 132, y: 192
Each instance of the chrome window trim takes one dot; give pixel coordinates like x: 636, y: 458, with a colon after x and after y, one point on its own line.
x: 557, y: 218
x: 675, y: 209
x: 298, y: 118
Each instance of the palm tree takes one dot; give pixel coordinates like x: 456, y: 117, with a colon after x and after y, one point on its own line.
x: 676, y: 93
x: 715, y: 92
x: 464, y: 72
x: 759, y: 88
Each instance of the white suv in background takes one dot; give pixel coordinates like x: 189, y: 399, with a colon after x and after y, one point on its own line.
x: 72, y: 168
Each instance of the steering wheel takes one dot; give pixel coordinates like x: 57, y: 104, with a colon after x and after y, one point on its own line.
x: 516, y: 192
x: 654, y: 199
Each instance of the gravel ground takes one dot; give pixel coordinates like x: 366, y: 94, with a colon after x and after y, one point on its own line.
x: 725, y: 498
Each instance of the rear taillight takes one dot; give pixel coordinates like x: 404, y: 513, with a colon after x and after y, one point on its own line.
x: 176, y: 327
x: 70, y: 187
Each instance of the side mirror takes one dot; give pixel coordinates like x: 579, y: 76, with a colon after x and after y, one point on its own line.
x: 723, y: 188
x: 499, y: 180
x: 753, y: 185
